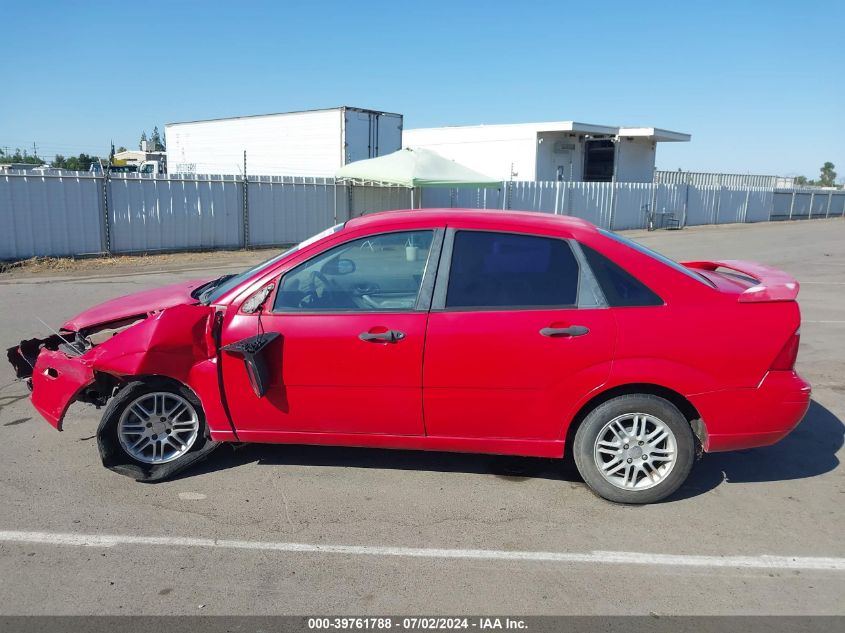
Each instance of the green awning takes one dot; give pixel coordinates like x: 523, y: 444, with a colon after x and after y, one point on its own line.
x: 414, y: 168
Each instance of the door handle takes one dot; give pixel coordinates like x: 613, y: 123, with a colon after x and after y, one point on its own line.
x: 390, y: 336
x: 572, y: 330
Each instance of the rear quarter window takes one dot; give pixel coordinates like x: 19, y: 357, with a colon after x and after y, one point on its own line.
x: 620, y: 288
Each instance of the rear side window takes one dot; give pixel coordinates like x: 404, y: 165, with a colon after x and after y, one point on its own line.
x: 498, y: 270
x: 620, y: 288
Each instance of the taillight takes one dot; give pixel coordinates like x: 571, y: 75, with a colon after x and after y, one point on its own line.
x: 785, y: 360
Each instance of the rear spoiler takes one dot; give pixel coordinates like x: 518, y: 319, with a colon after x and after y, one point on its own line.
x: 771, y: 284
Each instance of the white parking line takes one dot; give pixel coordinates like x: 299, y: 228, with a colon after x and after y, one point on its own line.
x: 595, y: 557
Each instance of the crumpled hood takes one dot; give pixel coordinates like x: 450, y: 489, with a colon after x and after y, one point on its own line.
x: 136, y: 304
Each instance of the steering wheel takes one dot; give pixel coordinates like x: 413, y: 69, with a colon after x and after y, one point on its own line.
x: 322, y: 289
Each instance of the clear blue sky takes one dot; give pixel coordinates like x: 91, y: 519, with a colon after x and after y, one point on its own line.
x: 760, y: 86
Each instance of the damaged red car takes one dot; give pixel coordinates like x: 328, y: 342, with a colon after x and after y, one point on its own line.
x: 455, y: 330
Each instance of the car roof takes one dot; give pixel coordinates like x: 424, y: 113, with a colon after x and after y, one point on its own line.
x: 491, y: 218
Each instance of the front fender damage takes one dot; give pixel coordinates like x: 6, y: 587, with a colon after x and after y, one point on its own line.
x: 57, y: 382
x: 169, y: 343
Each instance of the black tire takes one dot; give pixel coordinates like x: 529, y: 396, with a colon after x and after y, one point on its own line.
x: 115, y: 457
x: 585, y: 445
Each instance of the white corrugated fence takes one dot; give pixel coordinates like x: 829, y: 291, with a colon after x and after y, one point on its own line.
x: 74, y: 213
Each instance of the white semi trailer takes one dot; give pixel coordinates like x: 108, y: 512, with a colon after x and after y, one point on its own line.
x: 309, y: 143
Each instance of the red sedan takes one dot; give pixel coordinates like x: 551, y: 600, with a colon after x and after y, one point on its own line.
x: 458, y: 330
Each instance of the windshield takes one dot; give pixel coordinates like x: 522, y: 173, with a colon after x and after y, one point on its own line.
x: 655, y: 255
x: 213, y: 290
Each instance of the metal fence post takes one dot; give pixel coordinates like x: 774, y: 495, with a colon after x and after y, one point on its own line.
x: 792, y: 203
x: 686, y: 205
x: 718, y: 200
x: 745, y: 210
x: 245, y: 209
x: 557, y: 198
x: 829, y: 199
x: 652, y: 205
x: 334, y: 189
x: 611, y: 213
x: 812, y: 200
x: 106, y: 214
x: 772, y: 206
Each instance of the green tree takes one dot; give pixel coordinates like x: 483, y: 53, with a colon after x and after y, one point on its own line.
x: 20, y: 157
x: 143, y: 139
x: 74, y: 163
x: 121, y: 149
x: 801, y: 180
x: 827, y: 175
x: 157, y: 144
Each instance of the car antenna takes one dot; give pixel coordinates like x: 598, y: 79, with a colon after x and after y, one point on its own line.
x: 72, y: 346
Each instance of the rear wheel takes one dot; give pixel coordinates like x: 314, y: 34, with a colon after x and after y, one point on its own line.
x: 635, y: 448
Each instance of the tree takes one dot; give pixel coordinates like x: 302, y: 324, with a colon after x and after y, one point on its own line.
x: 827, y: 176
x: 82, y: 162
x: 158, y: 146
x: 801, y: 180
x: 143, y: 140
x: 121, y: 149
x: 20, y: 157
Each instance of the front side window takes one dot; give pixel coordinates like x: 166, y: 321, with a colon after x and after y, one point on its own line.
x: 507, y: 270
x: 379, y: 273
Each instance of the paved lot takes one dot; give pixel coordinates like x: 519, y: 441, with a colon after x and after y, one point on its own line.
x: 785, y: 500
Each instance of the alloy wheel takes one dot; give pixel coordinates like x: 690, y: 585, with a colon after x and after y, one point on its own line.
x: 635, y: 451
x: 158, y: 427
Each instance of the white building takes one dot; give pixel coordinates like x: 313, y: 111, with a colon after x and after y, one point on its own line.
x: 562, y: 150
x: 309, y: 143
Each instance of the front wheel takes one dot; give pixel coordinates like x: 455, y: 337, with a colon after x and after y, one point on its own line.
x: 634, y: 448
x: 152, y: 429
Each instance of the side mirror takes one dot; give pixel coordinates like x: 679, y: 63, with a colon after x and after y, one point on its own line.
x: 253, y: 351
x: 339, y: 266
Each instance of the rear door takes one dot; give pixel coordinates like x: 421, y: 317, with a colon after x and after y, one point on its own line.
x: 517, y: 334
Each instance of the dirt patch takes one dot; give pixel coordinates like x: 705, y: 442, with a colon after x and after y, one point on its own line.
x: 121, y: 263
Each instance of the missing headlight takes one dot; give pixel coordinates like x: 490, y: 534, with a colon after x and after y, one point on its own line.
x: 102, y: 333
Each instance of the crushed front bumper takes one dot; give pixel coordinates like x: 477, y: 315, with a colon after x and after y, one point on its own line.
x: 55, y: 378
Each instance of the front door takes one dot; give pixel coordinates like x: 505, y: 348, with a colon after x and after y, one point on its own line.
x: 516, y: 336
x: 352, y: 324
